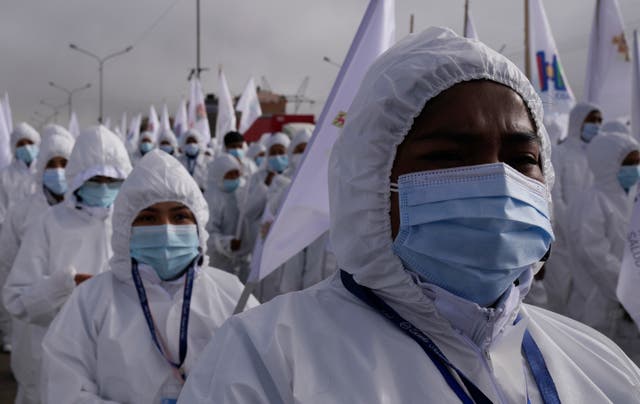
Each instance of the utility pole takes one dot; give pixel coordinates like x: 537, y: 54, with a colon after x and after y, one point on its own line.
x: 70, y: 93
x: 527, y: 53
x: 198, y: 66
x: 411, y: 18
x: 466, y: 18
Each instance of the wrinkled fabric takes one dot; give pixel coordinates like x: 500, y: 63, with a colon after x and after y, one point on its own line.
x: 598, y: 223
x: 64, y: 241
x: 137, y: 154
x: 112, y: 358
x: 303, y: 136
x: 615, y: 127
x: 323, y: 345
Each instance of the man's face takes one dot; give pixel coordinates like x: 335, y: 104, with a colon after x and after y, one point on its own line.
x: 594, y: 116
x: 478, y: 122
x: 235, y: 145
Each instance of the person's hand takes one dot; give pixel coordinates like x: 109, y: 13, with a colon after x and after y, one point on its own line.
x: 264, y: 229
x: 79, y: 278
x: 235, y: 244
x: 267, y: 181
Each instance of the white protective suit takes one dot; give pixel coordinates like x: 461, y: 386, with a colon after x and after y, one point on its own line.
x: 68, y: 239
x: 224, y: 209
x: 324, y: 345
x: 599, y: 220
x: 99, y: 348
x: 573, y: 176
x: 169, y: 136
x: 303, y: 136
x: 136, y: 154
x: 198, y: 166
x: 254, y: 149
x: 17, y: 180
x: 29, y: 210
x: 615, y: 127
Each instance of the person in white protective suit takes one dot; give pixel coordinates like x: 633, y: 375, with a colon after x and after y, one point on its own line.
x: 168, y: 143
x: 54, y: 152
x: 615, y: 127
x: 573, y: 176
x: 193, y: 157
x: 257, y: 153
x: 230, y: 240
x: 235, y: 145
x: 66, y: 246
x: 296, y: 151
x: 599, y: 221
x: 17, y: 179
x: 145, y: 145
x: 100, y: 348
x: 439, y: 196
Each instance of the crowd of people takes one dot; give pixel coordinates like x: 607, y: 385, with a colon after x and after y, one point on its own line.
x: 122, y: 263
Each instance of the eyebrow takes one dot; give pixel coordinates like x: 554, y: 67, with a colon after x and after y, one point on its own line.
x: 178, y: 208
x: 523, y: 137
x: 458, y: 137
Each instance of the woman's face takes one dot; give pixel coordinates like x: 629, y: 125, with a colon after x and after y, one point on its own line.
x: 164, y: 213
x: 472, y: 123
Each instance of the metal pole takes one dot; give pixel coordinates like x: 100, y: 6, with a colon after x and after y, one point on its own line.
x: 198, y: 69
x: 527, y: 54
x: 466, y: 18
x: 100, y: 70
x: 411, y: 24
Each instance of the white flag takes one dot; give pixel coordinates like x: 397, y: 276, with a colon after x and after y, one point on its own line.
x: 249, y: 106
x: 608, y: 79
x: 153, y: 123
x: 5, y: 140
x: 307, y: 203
x: 6, y: 107
x: 547, y: 74
x: 180, y: 124
x: 165, y: 124
x: 123, y: 126
x: 74, y: 127
x: 629, y: 277
x: 107, y: 123
x: 635, y: 88
x: 133, y: 134
x: 198, y: 119
x: 226, y: 120
x: 469, y: 27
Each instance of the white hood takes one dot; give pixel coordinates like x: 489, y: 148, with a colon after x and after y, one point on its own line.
x: 52, y: 129
x: 97, y: 151
x: 169, y: 136
x: 393, y: 92
x: 605, y: 154
x: 158, y: 177
x: 23, y: 131
x: 615, y: 127
x: 56, y: 144
x: 187, y: 135
x: 219, y: 167
x: 576, y: 119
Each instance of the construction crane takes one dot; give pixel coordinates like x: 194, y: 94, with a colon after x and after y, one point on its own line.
x: 297, y: 99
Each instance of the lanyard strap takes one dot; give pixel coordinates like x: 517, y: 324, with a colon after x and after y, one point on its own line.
x: 532, y: 353
x: 184, y: 317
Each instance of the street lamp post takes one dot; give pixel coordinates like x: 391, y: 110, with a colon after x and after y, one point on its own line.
x: 101, y: 62
x: 331, y: 62
x: 70, y: 93
x: 54, y: 108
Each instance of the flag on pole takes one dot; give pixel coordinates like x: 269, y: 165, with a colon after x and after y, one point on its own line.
x: 197, y: 113
x: 226, y: 120
x: 609, y: 63
x: 469, y: 27
x: 180, y: 124
x: 107, y: 123
x: 5, y: 140
x: 133, y: 134
x: 307, y: 202
x: 153, y: 123
x: 635, y: 88
x: 123, y: 126
x: 249, y: 106
x: 165, y: 124
x: 629, y: 278
x: 547, y: 74
x: 74, y: 127
x: 6, y: 108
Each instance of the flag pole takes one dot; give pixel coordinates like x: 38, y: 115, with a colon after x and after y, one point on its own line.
x: 411, y: 18
x: 466, y: 18
x: 527, y: 53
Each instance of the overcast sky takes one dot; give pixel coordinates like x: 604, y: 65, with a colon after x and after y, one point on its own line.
x: 284, y: 40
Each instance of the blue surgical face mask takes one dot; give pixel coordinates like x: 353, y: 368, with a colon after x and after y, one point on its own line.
x: 230, y: 185
x: 472, y: 230
x: 191, y: 149
x: 259, y: 160
x: 166, y: 148
x: 278, y: 163
x: 589, y: 131
x: 237, y: 153
x: 95, y: 194
x: 55, y: 180
x: 146, y: 147
x: 27, y: 153
x: 168, y: 249
x: 628, y: 176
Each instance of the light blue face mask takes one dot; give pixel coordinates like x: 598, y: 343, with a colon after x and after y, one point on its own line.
x: 95, y: 194
x: 278, y: 163
x: 166, y: 148
x: 259, y: 160
x: 472, y: 230
x: 55, y: 180
x: 27, y: 153
x: 230, y: 185
x: 237, y: 153
x: 146, y: 147
x: 628, y: 176
x: 589, y: 131
x: 168, y: 249
x: 191, y: 149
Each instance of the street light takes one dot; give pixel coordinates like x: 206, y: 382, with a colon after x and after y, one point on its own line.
x: 331, y: 62
x: 100, y: 65
x: 69, y: 93
x: 54, y: 108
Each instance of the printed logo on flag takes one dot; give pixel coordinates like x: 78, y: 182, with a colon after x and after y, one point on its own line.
x: 340, y: 119
x: 550, y: 72
x: 623, y: 49
x: 201, y: 113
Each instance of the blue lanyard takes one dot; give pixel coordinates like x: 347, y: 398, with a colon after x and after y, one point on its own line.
x: 532, y: 353
x: 184, y: 318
